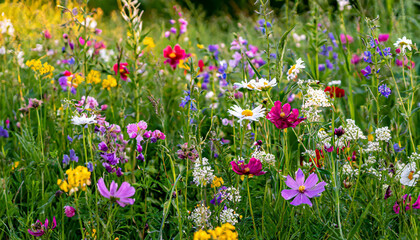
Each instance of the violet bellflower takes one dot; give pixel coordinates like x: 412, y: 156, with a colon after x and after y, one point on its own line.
x: 302, y: 190
x: 121, y: 196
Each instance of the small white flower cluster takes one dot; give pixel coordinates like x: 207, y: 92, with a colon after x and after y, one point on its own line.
x: 352, y: 132
x: 6, y: 26
x: 383, y: 134
x: 371, y: 160
x: 373, y: 171
x: 297, y: 38
x: 309, y: 153
x: 228, y: 215
x: 203, y: 173
x: 373, y: 147
x: 201, y: 216
x: 414, y: 157
x: 349, y: 171
x: 265, y: 158
x: 343, y: 4
x: 312, y: 100
x: 324, y: 139
x: 232, y: 194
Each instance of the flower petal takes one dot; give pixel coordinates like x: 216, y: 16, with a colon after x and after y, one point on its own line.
x: 300, y: 177
x: 125, y: 191
x: 113, y: 188
x: 289, y: 193
x: 103, y: 190
x: 316, y: 190
x: 301, y: 199
x: 291, y: 183
x: 311, y: 181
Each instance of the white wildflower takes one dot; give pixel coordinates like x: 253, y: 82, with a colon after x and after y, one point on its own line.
x: 409, y: 176
x: 383, y: 134
x: 83, y: 119
x: 203, y: 173
x: 228, y: 215
x: 201, y: 216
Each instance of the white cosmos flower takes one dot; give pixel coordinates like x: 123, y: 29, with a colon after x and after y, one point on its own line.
x: 251, y: 85
x: 263, y: 84
x: 83, y: 120
x: 295, y: 69
x: 246, y: 114
x: 403, y: 43
x: 409, y: 176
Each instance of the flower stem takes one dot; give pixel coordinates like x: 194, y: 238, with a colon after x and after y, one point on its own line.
x: 250, y: 207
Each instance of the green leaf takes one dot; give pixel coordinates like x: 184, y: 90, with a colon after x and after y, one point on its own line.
x: 360, y: 221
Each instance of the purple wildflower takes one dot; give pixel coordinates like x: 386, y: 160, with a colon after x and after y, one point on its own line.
x: 384, y: 90
x: 38, y: 229
x: 302, y: 190
x: 121, y: 196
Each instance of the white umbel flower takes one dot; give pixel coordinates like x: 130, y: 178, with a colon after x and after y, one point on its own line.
x: 228, y: 215
x: 295, y: 69
x: 246, y: 114
x: 352, y: 131
x: 203, y: 173
x: 409, y: 176
x: 316, y: 98
x: 403, y: 43
x: 83, y: 120
x: 201, y: 216
x: 383, y: 134
x: 343, y: 4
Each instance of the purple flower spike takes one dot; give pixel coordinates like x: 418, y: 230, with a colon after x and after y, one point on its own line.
x: 302, y: 190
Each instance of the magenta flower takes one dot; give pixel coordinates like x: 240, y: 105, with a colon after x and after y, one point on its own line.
x: 137, y: 130
x: 284, y: 116
x: 173, y: 56
x: 69, y: 211
x: 383, y: 37
x: 122, y: 70
x: 253, y: 167
x: 407, y: 204
x: 302, y: 190
x: 121, y: 196
x: 38, y: 229
x: 344, y: 38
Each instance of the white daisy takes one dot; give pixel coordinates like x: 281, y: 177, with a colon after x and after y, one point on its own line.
x: 263, y: 84
x: 83, y: 120
x: 295, y: 69
x: 403, y: 43
x: 246, y: 114
x: 251, y: 85
x: 409, y: 176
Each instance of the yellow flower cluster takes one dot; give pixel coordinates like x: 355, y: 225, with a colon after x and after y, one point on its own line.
x: 225, y: 232
x: 93, y: 77
x: 148, y: 41
x: 217, y: 182
x: 76, y: 178
x: 43, y: 69
x: 109, y: 82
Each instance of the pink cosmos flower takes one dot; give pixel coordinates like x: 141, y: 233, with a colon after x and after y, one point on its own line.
x: 302, y: 190
x: 174, y: 55
x: 69, y: 211
x: 344, y: 38
x: 253, y: 167
x: 284, y: 116
x: 38, y: 229
x: 137, y: 130
x: 123, y: 70
x: 121, y: 196
x: 407, y: 202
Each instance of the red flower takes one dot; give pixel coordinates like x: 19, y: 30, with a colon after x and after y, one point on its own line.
x: 284, y: 116
x: 173, y: 56
x: 335, y: 92
x: 123, y: 71
x: 201, y: 65
x: 252, y: 168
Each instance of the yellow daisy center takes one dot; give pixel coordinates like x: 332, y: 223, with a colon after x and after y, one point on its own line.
x: 247, y: 113
x: 410, y: 176
x: 291, y: 69
x: 246, y: 170
x: 250, y: 86
x: 301, y: 189
x: 282, y: 115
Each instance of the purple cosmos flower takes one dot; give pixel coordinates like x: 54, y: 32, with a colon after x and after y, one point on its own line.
x: 121, y: 196
x: 38, y: 229
x: 366, y: 71
x: 302, y: 190
x: 253, y: 168
x: 384, y: 90
x: 69, y: 211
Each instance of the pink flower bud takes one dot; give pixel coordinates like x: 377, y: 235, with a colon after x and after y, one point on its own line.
x: 69, y: 211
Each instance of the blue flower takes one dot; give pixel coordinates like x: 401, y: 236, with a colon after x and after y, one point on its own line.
x: 3, y: 132
x: 398, y: 148
x: 367, y: 56
x: 384, y: 90
x: 366, y: 71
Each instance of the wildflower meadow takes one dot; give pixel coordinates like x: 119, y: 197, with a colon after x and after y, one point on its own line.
x: 294, y: 120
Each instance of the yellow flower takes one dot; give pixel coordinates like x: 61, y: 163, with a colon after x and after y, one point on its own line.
x: 201, y: 235
x: 109, y: 82
x: 42, y: 69
x: 224, y: 232
x: 93, y: 77
x: 78, y: 178
x: 183, y: 65
x: 200, y: 46
x: 217, y: 182
x: 15, y: 165
x: 148, y: 41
